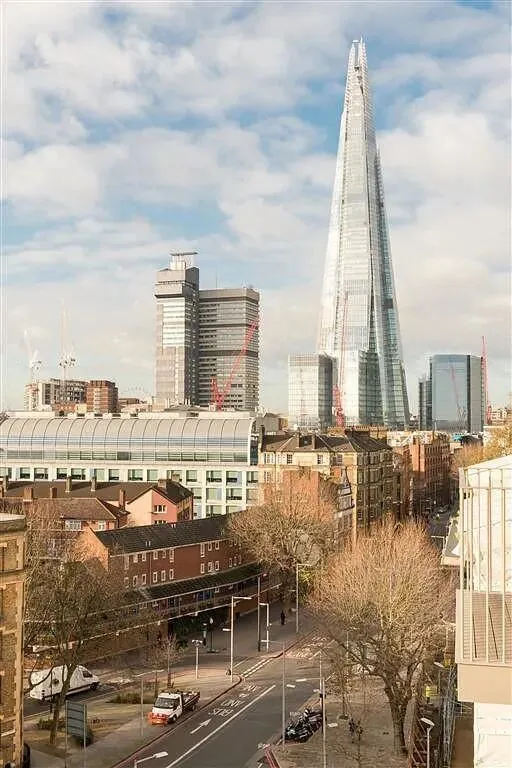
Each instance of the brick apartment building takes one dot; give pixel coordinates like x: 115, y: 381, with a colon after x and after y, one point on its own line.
x: 178, y: 569
x: 103, y: 506
x: 360, y: 464
x: 12, y: 547
x: 101, y: 396
x: 429, y: 458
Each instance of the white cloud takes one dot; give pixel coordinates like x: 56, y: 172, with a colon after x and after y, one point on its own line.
x: 123, y: 130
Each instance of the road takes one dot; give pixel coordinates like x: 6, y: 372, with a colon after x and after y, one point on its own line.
x: 245, y: 648
x: 228, y: 734
x: 438, y: 527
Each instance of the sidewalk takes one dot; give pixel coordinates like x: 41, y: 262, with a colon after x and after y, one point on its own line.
x: 121, y: 723
x: 125, y: 724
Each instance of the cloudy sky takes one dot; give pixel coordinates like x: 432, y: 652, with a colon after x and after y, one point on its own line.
x: 135, y: 129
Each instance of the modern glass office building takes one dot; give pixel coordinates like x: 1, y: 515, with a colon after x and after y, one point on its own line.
x: 215, y: 457
x: 359, y: 318
x: 309, y: 391
x: 458, y: 393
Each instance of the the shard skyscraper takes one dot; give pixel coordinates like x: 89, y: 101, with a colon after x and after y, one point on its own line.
x: 359, y: 325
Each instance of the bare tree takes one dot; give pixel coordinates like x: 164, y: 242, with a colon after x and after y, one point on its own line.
x: 296, y: 523
x: 382, y: 600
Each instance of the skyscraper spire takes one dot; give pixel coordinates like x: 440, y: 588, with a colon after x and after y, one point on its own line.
x: 359, y: 325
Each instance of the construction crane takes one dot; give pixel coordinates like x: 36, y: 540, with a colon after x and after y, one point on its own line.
x: 34, y: 365
x: 488, y: 406
x: 338, y: 389
x: 218, y: 396
x: 460, y: 410
x: 67, y: 359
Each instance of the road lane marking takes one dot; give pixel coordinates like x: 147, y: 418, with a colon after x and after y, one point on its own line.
x: 290, y: 685
x: 219, y: 728
x: 201, y: 725
x: 301, y: 680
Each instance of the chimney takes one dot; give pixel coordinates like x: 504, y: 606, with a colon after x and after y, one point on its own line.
x: 53, y: 492
x: 122, y: 498
x: 93, y: 485
x: 28, y: 493
x: 162, y: 483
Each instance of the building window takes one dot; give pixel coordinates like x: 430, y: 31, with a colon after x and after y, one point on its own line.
x: 73, y: 525
x: 25, y: 473
x: 163, y: 575
x: 209, y: 546
x: 202, y: 568
x: 319, y: 458
x: 126, y: 562
x: 41, y: 473
x: 230, y: 562
x: 152, y: 475
x: 210, y: 566
x: 171, y: 574
x: 113, y: 474
x: 135, y: 558
x: 126, y: 582
x: 159, y: 508
x: 289, y: 458
x: 102, y: 525
x: 135, y: 581
x: 143, y: 579
x: 163, y: 553
x: 216, y: 565
x: 201, y: 549
x: 191, y: 475
x: 155, y: 554
x: 155, y: 577
x: 143, y: 557
x: 267, y: 477
x: 217, y: 544
x: 171, y: 555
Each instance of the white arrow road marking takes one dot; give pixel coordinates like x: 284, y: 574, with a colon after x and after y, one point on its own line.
x: 201, y: 725
x: 219, y: 728
x: 290, y: 685
x: 332, y: 725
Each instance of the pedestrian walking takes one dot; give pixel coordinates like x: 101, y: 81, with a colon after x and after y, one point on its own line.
x: 283, y: 618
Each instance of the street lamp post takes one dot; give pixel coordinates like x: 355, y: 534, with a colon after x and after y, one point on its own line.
x: 267, y: 605
x: 283, y: 689
x: 259, y: 612
x: 429, y: 725
x: 197, y: 643
x: 234, y: 601
x: 156, y: 756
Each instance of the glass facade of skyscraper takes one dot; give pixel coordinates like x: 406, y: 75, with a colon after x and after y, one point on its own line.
x: 309, y: 391
x: 457, y: 387
x: 359, y: 320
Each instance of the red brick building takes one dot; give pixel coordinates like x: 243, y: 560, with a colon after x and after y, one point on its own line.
x: 116, y: 504
x: 179, y: 569
x: 101, y: 396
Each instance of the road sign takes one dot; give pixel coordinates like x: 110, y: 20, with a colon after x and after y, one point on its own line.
x: 76, y: 719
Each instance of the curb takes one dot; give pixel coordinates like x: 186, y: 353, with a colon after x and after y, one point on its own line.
x: 168, y: 730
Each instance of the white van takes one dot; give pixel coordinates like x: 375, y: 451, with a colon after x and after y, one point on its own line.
x: 47, y: 683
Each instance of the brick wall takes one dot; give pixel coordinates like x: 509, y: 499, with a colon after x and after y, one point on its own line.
x: 11, y: 624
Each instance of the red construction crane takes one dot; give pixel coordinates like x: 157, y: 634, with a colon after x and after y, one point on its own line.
x: 218, y: 396
x: 488, y: 406
x: 338, y: 389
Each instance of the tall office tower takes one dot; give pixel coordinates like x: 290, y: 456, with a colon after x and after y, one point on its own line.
x: 359, y: 318
x: 458, y: 399
x: 226, y: 315
x: 176, y: 293
x: 424, y: 403
x: 309, y: 391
